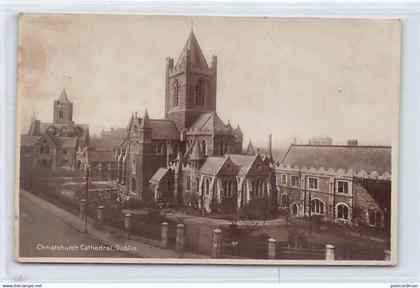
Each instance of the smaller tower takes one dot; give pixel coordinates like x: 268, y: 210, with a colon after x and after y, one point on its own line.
x: 146, y: 129
x: 63, y: 109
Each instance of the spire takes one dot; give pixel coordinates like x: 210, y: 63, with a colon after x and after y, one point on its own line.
x: 33, y: 118
x: 145, y: 124
x: 238, y: 130
x: 63, y: 96
x: 193, y: 50
x: 250, y: 149
x: 130, y: 122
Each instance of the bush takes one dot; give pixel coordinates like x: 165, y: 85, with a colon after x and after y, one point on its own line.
x: 258, y: 209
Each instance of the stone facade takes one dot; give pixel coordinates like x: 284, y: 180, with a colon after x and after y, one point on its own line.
x: 338, y: 194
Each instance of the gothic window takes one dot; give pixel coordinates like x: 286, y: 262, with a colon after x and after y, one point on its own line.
x: 207, y: 188
x: 188, y: 183
x: 342, y: 211
x: 61, y: 114
x: 199, y: 92
x: 317, y: 207
x: 258, y: 188
x: 294, y: 209
x: 175, y: 99
x: 133, y: 184
x: 229, y: 188
x: 203, y: 147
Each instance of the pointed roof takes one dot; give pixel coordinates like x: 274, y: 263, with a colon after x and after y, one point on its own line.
x: 250, y: 149
x: 210, y: 122
x: 238, y: 130
x: 193, y: 50
x: 63, y: 96
x: 146, y: 121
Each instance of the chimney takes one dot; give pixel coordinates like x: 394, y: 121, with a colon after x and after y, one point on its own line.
x: 352, y: 142
x: 269, y: 145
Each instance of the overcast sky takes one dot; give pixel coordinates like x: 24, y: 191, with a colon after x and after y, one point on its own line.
x: 289, y: 77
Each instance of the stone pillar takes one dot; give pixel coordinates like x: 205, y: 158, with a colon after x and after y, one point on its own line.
x: 215, y: 249
x: 329, y: 252
x: 271, y: 248
x: 164, y: 234
x: 83, y: 207
x: 387, y: 255
x: 127, y: 224
x: 179, y: 245
x: 100, y: 215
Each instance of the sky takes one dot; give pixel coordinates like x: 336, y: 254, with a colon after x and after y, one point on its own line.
x: 291, y: 77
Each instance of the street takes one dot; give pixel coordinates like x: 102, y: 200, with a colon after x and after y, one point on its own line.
x: 43, y: 235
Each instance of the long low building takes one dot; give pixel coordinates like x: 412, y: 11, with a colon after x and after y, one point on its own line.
x: 349, y: 184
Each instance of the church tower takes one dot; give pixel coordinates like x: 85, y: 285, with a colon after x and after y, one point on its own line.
x: 190, y: 85
x: 63, y: 109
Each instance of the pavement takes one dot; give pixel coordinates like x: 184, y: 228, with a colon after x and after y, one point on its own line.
x: 66, y: 229
x: 40, y: 231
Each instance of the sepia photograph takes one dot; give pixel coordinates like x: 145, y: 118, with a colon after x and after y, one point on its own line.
x: 207, y: 139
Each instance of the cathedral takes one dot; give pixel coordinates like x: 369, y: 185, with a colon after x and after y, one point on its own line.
x: 191, y: 157
x: 54, y: 146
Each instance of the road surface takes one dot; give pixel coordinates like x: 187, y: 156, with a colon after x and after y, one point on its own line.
x: 43, y: 235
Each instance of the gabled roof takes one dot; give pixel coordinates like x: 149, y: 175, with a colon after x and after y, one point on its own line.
x: 212, y: 165
x: 244, y: 161
x: 164, y: 130
x: 193, y: 50
x: 357, y: 158
x: 160, y: 173
x: 210, y: 122
x: 101, y: 156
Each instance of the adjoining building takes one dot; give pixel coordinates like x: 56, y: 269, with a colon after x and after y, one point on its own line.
x: 191, y: 157
x: 349, y: 184
x: 55, y: 145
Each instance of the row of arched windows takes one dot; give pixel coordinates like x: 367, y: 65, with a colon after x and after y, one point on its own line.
x: 229, y: 188
x: 259, y: 188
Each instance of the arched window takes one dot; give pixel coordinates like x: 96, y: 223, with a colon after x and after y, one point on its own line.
x: 317, y: 207
x: 133, y: 184
x: 204, y: 147
x: 207, y: 187
x: 199, y: 92
x: 61, y: 114
x: 294, y: 209
x: 284, y: 200
x: 342, y: 211
x: 175, y: 98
